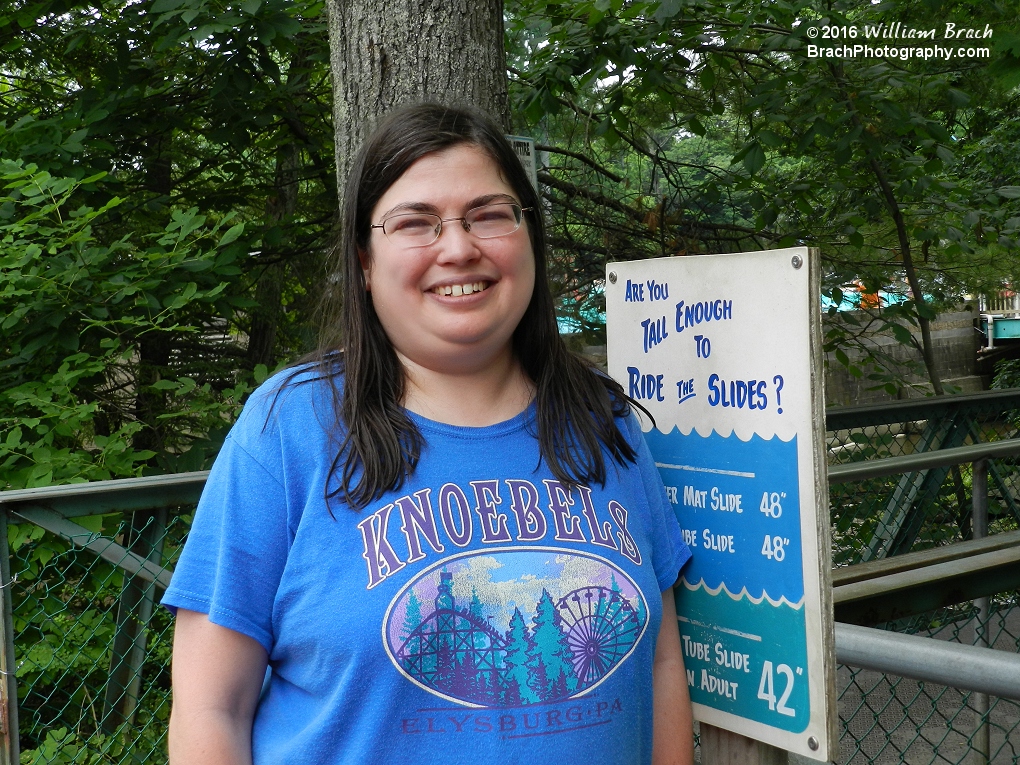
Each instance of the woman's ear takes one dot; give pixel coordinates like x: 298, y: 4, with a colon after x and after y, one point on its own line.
x: 366, y: 268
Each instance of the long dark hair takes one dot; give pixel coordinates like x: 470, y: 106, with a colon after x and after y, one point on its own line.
x: 377, y: 444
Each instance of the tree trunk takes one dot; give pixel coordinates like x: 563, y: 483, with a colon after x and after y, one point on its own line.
x: 387, y: 53
x: 893, y: 207
x: 280, y: 208
x: 927, y: 349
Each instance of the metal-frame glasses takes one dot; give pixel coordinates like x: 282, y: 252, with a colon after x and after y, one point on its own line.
x: 420, y: 229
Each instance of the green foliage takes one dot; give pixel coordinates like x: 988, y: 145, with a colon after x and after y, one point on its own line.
x: 76, y: 312
x: 1007, y: 374
x: 676, y: 128
x: 168, y: 191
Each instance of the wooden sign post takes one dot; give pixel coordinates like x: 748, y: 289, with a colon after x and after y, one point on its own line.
x: 725, y: 353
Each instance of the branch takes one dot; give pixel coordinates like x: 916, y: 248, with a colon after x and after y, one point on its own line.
x: 590, y: 162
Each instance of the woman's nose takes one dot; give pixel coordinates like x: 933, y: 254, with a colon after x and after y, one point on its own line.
x: 456, y: 244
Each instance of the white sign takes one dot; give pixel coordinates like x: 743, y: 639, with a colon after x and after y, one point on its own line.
x: 525, y: 150
x: 725, y: 353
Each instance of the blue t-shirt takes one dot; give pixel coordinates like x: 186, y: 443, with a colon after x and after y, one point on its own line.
x: 482, y: 613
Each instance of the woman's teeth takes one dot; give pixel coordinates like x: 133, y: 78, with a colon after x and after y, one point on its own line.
x: 456, y: 290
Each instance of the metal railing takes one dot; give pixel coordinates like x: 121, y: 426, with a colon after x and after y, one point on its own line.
x: 86, y: 655
x: 969, y: 668
x: 913, y: 560
x: 82, y: 568
x: 1004, y: 301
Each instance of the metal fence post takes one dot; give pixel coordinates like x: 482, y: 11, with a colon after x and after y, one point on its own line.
x: 723, y: 747
x: 9, y: 742
x: 979, y: 523
x: 145, y: 536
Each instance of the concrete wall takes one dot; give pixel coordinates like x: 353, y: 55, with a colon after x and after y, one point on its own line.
x: 956, y: 345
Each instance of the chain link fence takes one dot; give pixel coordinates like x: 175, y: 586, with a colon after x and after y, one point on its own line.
x: 889, y: 719
x: 92, y: 648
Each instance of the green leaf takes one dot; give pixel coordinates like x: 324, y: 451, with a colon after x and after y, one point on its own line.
x: 901, y: 333
x: 945, y: 154
x: 667, y: 9
x: 958, y: 98
x: 93, y: 523
x: 754, y: 159
x: 232, y: 233
x: 1009, y: 192
x: 707, y: 78
x: 161, y: 6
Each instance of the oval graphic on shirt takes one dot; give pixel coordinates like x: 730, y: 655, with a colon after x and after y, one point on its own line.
x: 508, y: 627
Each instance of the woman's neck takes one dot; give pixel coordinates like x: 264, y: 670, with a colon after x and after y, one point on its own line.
x: 496, y: 392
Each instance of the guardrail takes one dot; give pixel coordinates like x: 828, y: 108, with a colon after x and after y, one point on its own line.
x: 864, y: 594
x: 970, y: 668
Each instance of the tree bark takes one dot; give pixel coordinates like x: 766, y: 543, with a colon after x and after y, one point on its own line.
x: 280, y: 208
x: 388, y: 53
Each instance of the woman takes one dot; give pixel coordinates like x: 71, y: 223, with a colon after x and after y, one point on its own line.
x: 448, y: 540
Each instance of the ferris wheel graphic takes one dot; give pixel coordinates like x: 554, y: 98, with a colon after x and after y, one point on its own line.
x: 601, y: 627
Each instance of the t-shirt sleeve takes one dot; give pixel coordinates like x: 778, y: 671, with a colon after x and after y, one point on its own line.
x: 670, y: 551
x: 237, y: 548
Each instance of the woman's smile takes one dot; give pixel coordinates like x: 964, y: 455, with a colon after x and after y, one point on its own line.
x: 456, y: 290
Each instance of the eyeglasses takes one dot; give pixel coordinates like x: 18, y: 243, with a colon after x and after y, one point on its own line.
x: 419, y: 229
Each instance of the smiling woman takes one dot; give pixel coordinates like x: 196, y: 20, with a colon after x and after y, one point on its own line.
x: 443, y: 533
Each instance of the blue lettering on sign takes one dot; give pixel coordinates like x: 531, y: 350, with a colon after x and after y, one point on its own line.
x: 644, y: 387
x: 654, y: 332
x: 635, y: 292
x: 685, y: 390
x: 702, y: 311
x: 738, y: 394
x: 657, y: 291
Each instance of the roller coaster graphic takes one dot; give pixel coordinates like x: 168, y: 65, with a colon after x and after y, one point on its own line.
x: 460, y: 654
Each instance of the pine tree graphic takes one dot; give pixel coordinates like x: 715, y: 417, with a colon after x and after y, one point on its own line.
x: 412, y: 618
x: 516, y: 675
x: 550, y: 658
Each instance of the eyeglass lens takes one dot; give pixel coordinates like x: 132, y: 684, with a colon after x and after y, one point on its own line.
x: 485, y: 222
